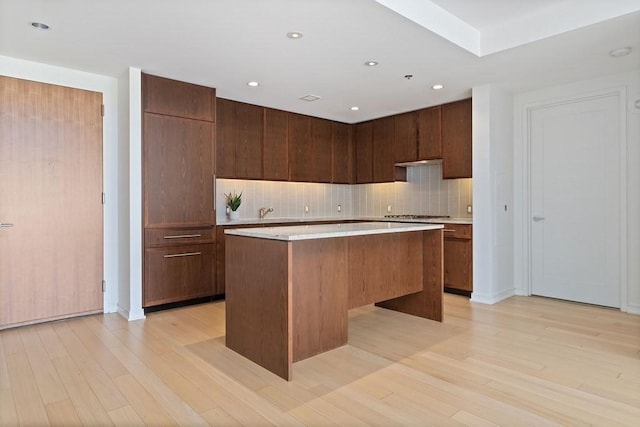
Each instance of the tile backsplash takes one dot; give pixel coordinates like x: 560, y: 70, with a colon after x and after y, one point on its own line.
x: 425, y: 192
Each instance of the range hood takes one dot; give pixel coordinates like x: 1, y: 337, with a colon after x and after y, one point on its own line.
x: 420, y: 163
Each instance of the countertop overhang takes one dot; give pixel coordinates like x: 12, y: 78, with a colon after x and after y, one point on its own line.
x: 324, y: 231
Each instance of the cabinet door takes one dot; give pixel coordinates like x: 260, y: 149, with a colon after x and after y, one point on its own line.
x: 320, y: 146
x: 299, y: 148
x: 178, y: 171
x: 342, y: 154
x: 225, y: 146
x: 458, y: 264
x: 275, y: 148
x: 456, y: 139
x: 383, y: 153
x: 429, y: 134
x: 174, y: 98
x: 406, y: 137
x: 248, y: 140
x: 178, y: 273
x: 364, y: 152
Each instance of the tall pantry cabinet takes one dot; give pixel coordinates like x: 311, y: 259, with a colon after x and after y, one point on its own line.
x: 178, y: 190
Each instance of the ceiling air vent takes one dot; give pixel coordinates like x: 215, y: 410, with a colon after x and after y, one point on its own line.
x: 310, y: 98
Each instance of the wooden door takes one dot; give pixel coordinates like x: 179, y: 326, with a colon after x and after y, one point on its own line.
x: 51, y: 259
x: 575, y: 200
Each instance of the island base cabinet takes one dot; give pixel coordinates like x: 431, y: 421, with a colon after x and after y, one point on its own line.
x: 178, y: 273
x: 287, y: 300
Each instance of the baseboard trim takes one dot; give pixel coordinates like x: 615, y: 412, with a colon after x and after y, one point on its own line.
x: 491, y: 298
x: 131, y: 315
x: 632, y: 309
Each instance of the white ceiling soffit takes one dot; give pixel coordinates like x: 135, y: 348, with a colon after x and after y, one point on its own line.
x: 466, y: 23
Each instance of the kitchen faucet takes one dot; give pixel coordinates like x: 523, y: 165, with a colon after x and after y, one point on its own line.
x: 264, y: 212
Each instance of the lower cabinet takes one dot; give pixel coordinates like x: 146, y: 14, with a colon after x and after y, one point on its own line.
x: 178, y: 273
x: 458, y: 258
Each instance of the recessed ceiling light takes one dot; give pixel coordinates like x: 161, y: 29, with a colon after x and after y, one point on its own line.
x: 371, y: 63
x: 40, y: 25
x: 437, y: 87
x: 617, y: 53
x: 294, y: 35
x: 253, y: 84
x: 354, y: 108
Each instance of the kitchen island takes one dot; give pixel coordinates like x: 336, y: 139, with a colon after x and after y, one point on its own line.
x: 289, y: 288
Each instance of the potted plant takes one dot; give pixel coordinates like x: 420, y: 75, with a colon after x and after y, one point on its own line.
x: 234, y: 201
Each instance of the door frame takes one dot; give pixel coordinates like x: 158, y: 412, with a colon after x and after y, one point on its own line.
x: 522, y: 174
x: 112, y: 242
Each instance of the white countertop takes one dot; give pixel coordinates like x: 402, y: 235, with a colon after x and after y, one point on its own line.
x: 323, y: 231
x: 272, y: 220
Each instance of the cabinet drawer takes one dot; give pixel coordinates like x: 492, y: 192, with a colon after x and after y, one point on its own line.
x: 178, y: 273
x: 457, y: 231
x: 177, y: 236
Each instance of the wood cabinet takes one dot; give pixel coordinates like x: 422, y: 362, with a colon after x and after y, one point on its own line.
x: 275, y: 145
x: 178, y: 186
x: 458, y: 258
x: 429, y: 133
x: 309, y: 149
x: 406, y: 137
x: 239, y: 140
x: 456, y: 139
x: 364, y: 152
x: 383, y: 152
x: 342, y: 154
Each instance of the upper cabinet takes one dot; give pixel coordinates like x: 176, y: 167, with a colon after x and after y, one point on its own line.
x: 309, y: 149
x: 364, y: 152
x: 179, y: 99
x: 342, y: 154
x: 239, y: 140
x: 383, y: 152
x: 406, y: 137
x: 429, y: 133
x: 456, y: 139
x: 275, y: 145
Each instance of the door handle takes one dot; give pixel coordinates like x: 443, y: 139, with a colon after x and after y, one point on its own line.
x: 538, y: 218
x: 6, y: 224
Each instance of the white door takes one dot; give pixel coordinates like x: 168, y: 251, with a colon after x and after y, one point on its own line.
x: 575, y: 200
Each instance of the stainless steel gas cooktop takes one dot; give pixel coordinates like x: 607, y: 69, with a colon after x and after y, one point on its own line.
x: 420, y: 216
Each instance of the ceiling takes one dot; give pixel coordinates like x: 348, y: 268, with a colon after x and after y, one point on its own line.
x: 517, y: 44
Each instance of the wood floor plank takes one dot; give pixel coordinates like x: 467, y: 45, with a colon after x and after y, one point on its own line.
x: 26, y: 396
x: 62, y: 413
x: 524, y: 361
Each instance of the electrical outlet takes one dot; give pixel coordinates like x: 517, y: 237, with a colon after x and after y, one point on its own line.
x: 339, y: 208
x: 469, y: 209
x: 306, y: 209
x: 389, y: 208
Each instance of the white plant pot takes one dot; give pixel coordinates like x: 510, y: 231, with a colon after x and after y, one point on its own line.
x: 234, y: 215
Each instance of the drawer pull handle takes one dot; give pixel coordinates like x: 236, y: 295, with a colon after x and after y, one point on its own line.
x: 447, y: 230
x: 184, y: 254
x: 183, y: 236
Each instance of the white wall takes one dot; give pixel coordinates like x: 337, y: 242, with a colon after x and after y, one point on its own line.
x: 108, y: 86
x: 492, y: 195
x: 130, y: 194
x: 629, y: 84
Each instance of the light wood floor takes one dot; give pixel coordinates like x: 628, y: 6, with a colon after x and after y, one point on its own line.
x: 525, y: 361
